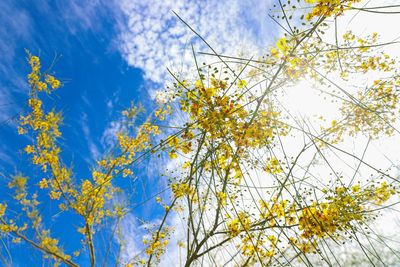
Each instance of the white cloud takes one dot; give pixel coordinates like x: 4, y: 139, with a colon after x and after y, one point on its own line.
x: 154, y: 38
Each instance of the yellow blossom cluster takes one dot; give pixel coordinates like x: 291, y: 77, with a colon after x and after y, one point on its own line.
x: 273, y: 166
x: 38, y: 81
x: 297, y: 62
x: 30, y: 207
x: 255, y: 246
x: 3, y: 208
x: 183, y: 144
x: 223, y: 117
x: 329, y: 8
x: 94, y: 193
x: 50, y: 245
x: 45, y: 127
x: 29, y: 204
x: 271, y: 211
x: 372, y: 110
x: 222, y: 198
x: 330, y: 218
x: 182, y: 189
x: 162, y: 112
x: 241, y: 223
x: 156, y: 245
x: 346, y: 206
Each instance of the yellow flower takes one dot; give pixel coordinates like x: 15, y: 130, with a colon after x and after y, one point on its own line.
x: 3, y: 208
x: 222, y: 198
x: 43, y: 183
x: 274, y: 53
x: 273, y: 166
x: 172, y: 154
x: 55, y: 195
x: 53, y: 82
x: 18, y: 182
x: 282, y: 45
x: 41, y: 86
x: 242, y: 84
x: 34, y: 61
x: 182, y: 189
x: 355, y: 188
x: 29, y: 149
x: 21, y: 130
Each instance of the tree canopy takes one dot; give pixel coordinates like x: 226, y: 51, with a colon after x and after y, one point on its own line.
x: 250, y: 182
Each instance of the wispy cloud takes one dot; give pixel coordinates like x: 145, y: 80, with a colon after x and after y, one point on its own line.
x: 92, y: 146
x: 12, y: 31
x: 16, y: 27
x: 88, y: 15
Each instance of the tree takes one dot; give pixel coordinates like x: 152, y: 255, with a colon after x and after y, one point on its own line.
x: 252, y: 183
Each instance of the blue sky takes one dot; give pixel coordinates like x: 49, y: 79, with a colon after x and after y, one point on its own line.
x: 98, y: 84
x: 107, y: 54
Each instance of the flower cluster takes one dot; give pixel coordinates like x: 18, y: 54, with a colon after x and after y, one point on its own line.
x: 239, y: 224
x: 329, y: 8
